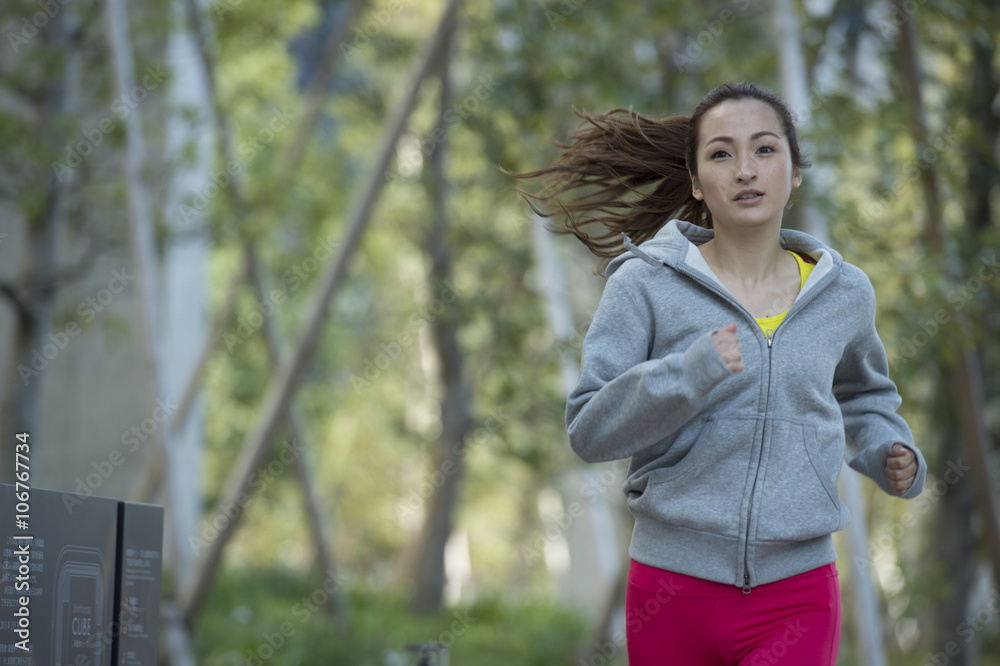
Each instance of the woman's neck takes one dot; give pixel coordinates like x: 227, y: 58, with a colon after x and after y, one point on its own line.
x: 748, y: 256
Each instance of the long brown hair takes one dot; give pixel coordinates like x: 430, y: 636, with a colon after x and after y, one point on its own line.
x: 628, y: 173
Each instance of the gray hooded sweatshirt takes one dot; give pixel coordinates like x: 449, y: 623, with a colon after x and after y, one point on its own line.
x: 733, y: 476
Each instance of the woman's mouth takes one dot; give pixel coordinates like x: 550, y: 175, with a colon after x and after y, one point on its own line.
x: 749, y: 197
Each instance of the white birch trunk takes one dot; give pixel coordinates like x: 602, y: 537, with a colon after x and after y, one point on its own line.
x: 552, y: 286
x: 184, y: 261
x: 795, y: 89
x: 140, y: 220
x: 606, y: 592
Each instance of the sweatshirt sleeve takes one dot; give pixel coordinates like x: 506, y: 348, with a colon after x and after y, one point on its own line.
x: 868, y: 401
x: 625, y: 400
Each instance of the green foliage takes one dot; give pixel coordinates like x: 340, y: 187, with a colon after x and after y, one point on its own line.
x: 371, y: 396
x: 278, y: 617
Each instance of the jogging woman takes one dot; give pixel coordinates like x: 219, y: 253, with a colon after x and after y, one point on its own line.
x: 736, y: 364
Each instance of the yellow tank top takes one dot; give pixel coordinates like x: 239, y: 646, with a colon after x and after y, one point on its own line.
x: 770, y: 324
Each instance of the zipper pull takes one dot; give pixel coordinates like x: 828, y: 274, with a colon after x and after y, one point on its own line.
x: 768, y: 334
x: 746, y: 583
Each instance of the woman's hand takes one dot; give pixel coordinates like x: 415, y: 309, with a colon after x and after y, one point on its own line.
x: 727, y: 346
x: 901, y: 469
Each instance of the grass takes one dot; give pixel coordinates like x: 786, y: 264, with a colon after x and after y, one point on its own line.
x: 265, y: 617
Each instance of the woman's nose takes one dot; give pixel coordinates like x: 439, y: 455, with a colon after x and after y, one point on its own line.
x: 745, y: 170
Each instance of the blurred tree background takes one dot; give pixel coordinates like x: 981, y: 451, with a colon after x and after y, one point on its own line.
x: 308, y: 200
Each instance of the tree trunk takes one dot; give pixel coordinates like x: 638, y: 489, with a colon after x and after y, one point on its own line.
x: 183, y: 328
x: 140, y: 219
x: 559, y: 313
x: 177, y: 646
x: 287, y: 378
x: 318, y: 519
x: 983, y: 170
x: 456, y: 405
x: 953, y: 544
x: 555, y: 297
x: 962, y: 370
x: 152, y: 475
x: 33, y: 296
x: 795, y: 83
x: 32, y: 321
x: 867, y: 616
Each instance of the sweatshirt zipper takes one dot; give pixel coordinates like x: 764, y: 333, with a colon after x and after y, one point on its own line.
x: 746, y: 546
x: 769, y: 336
x: 798, y: 305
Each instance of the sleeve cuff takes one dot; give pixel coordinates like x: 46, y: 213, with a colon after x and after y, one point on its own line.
x: 871, y: 463
x: 703, y: 365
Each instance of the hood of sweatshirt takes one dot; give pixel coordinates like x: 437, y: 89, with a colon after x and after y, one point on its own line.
x: 675, y: 244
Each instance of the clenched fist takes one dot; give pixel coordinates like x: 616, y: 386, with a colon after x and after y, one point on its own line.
x: 727, y: 346
x: 901, y: 469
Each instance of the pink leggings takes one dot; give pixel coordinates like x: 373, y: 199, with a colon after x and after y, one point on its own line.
x: 676, y: 619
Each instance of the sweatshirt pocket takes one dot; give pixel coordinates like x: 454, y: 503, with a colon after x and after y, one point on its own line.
x: 798, y: 499
x: 703, y: 491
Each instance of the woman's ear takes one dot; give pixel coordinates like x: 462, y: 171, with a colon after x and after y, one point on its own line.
x: 695, y: 188
x: 796, y: 177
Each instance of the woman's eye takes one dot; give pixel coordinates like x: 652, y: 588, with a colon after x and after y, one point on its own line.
x: 766, y: 149
x: 719, y: 153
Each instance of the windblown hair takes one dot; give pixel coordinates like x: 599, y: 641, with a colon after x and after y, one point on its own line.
x: 623, y: 172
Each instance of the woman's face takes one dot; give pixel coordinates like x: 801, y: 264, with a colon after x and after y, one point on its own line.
x: 745, y: 172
